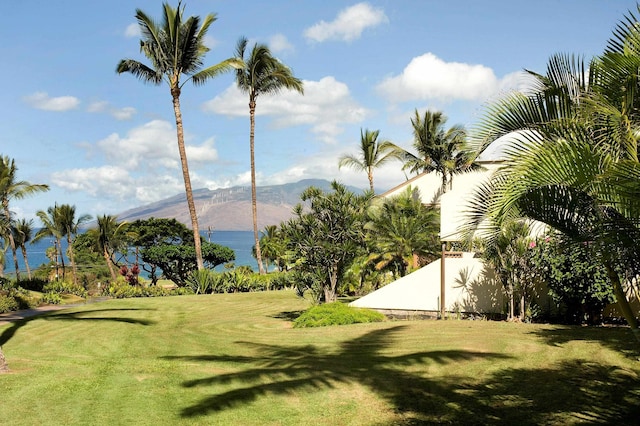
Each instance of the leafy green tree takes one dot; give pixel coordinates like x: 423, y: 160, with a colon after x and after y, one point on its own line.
x: 261, y: 73
x: 573, y: 163
x: 373, y: 154
x: 326, y: 236
x: 438, y: 149
x: 175, y: 48
x: 13, y: 189
x: 576, y: 283
x: 22, y: 233
x: 178, y: 261
x: 401, y: 230
x: 145, y: 233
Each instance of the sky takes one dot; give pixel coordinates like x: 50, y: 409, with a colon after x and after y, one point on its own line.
x: 106, y: 143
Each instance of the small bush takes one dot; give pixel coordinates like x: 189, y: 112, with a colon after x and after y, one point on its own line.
x: 51, y: 298
x: 7, y: 304
x: 201, y: 281
x: 122, y: 289
x: 336, y: 313
x: 64, y: 287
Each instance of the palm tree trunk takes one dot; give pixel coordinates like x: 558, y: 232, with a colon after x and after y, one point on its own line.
x: 254, y: 197
x: 175, y: 93
x: 370, y: 176
x: 12, y: 242
x: 74, y: 271
x: 26, y: 261
x: 107, y: 258
x: 621, y: 298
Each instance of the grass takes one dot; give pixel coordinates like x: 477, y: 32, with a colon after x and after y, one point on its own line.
x: 234, y: 359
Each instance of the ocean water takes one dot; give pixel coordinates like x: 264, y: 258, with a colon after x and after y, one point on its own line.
x: 241, y: 242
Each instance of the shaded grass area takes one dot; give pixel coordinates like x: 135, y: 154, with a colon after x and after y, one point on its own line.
x: 235, y: 359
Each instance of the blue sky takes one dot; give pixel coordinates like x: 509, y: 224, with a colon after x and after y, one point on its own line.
x: 106, y: 142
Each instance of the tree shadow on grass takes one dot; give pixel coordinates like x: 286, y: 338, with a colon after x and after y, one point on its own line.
x: 572, y: 392
x: 88, y: 315
x: 619, y: 339
x: 288, y: 315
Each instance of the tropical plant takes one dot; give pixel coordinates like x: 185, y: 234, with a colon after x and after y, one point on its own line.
x: 22, y: 232
x: 260, y: 74
x: 12, y: 189
x: 372, y: 154
x: 507, y: 255
x: 51, y: 227
x: 69, y: 226
x: 325, y: 237
x: 439, y: 150
x: 109, y: 237
x: 176, y: 47
x: 401, y: 230
x: 573, y: 159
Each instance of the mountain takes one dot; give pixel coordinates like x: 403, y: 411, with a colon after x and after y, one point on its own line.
x: 229, y: 209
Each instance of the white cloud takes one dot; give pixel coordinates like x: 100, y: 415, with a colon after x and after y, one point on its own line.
x: 326, y: 106
x: 153, y: 145
x: 125, y: 113
x: 108, y: 181
x: 348, y: 25
x: 279, y: 43
x: 41, y: 100
x: 429, y: 77
x: 142, y: 167
x: 121, y: 114
x: 132, y: 30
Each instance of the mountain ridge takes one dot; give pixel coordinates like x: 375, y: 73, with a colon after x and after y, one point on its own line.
x: 229, y: 209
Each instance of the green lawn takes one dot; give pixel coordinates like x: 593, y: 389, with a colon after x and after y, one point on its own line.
x: 233, y: 359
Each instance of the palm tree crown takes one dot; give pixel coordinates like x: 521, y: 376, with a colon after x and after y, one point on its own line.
x: 438, y: 149
x: 373, y: 153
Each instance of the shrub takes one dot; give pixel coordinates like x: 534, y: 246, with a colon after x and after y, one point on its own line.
x: 201, y: 281
x: 122, y: 289
x: 336, y: 313
x: 64, y: 287
x: 51, y: 298
x: 7, y: 304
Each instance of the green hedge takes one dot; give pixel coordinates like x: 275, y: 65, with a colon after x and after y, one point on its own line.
x: 336, y: 313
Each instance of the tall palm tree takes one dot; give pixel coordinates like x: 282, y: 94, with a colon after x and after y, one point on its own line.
x: 51, y: 227
x: 438, y: 149
x: 261, y: 74
x: 573, y: 163
x: 176, y: 47
x: 373, y: 153
x: 22, y: 234
x: 69, y: 226
x: 12, y: 189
